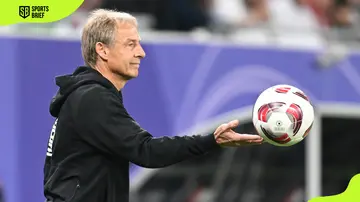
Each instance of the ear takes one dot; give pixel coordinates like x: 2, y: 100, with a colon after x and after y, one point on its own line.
x: 102, y: 50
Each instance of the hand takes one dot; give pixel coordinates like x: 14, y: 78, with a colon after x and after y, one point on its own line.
x: 225, y: 136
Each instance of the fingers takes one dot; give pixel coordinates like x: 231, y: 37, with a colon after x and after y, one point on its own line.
x: 226, y: 126
x: 233, y: 123
x: 256, y: 141
x: 250, y: 142
x: 227, y: 137
x: 247, y: 137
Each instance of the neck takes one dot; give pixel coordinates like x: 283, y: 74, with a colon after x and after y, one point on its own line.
x: 115, y: 79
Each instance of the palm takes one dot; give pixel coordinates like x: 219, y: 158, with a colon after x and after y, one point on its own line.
x: 225, y: 136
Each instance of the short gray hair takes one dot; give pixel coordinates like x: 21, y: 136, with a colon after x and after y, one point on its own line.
x: 100, y: 27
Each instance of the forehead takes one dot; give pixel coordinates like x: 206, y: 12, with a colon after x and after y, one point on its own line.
x: 127, y: 31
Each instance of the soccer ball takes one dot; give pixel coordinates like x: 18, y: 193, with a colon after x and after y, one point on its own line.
x: 283, y: 115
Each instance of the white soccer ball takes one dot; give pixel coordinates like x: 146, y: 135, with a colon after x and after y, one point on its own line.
x: 283, y: 115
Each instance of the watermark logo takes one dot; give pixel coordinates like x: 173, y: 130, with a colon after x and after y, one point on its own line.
x: 36, y: 11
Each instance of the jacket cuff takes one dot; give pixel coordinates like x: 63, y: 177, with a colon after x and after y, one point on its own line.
x: 208, y: 142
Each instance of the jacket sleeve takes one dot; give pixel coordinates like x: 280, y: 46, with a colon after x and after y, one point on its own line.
x: 103, y: 122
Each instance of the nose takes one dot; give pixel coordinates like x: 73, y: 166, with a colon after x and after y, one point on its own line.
x: 140, y: 53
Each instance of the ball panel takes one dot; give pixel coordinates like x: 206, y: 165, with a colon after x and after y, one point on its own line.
x: 280, y: 139
x: 275, y: 106
x: 262, y: 134
x: 302, y: 95
x: 279, y: 123
x: 282, y: 89
x: 263, y: 112
x: 296, y: 114
x: 307, y: 131
x: 307, y: 120
x: 285, y: 138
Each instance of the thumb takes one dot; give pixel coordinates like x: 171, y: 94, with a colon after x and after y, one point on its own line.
x: 233, y: 123
x: 226, y: 126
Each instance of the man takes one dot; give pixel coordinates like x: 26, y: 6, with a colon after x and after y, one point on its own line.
x: 94, y: 138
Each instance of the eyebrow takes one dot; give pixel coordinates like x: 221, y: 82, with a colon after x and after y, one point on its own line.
x: 131, y: 40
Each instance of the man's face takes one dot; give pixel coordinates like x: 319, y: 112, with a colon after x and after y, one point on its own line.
x: 126, y: 52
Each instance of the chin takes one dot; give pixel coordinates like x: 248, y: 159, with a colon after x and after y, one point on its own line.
x: 131, y: 76
x: 134, y: 74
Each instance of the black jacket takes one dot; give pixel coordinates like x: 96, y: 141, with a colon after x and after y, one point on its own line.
x: 94, y: 139
x: 2, y: 198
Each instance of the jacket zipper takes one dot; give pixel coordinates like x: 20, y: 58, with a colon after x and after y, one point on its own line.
x: 73, y: 196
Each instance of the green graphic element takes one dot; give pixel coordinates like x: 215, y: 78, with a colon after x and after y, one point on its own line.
x: 351, y: 194
x: 36, y: 11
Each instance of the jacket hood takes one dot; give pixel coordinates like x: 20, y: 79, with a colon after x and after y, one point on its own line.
x: 69, y: 83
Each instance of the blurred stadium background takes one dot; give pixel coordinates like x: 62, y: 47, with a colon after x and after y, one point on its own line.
x: 207, y: 60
